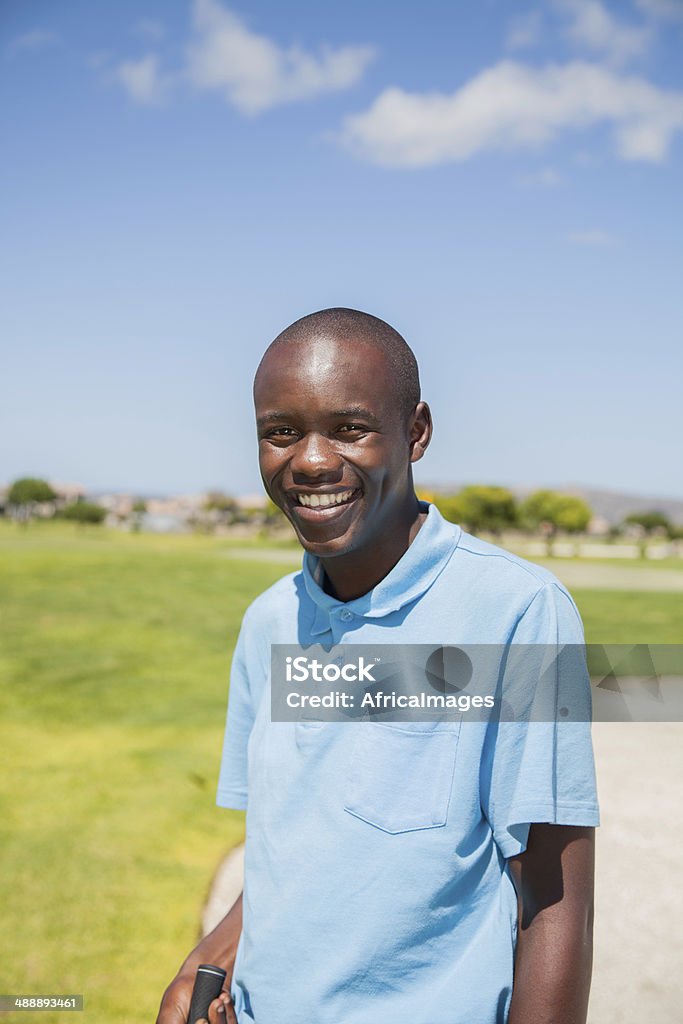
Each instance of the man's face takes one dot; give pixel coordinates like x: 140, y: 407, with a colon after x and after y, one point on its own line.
x: 334, y: 446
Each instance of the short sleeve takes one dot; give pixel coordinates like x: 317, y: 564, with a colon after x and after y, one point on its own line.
x: 232, y: 780
x: 541, y: 769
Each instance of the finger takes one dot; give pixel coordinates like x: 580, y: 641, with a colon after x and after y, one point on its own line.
x: 231, y: 1015
x: 219, y: 1008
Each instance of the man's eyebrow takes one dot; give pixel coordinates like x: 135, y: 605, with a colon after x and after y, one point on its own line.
x: 354, y: 412
x: 273, y: 417
x: 349, y: 413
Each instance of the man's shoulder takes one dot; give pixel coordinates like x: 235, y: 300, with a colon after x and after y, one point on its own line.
x: 530, y: 599
x: 491, y: 563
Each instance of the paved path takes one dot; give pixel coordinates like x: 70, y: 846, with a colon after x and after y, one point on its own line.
x: 285, y: 556
x: 585, y: 574
x: 613, y: 577
x: 639, y: 896
x: 639, y: 911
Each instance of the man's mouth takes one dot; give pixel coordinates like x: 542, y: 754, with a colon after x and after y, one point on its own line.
x: 323, y: 504
x: 323, y: 499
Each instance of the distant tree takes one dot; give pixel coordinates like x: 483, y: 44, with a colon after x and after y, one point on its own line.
x: 573, y: 514
x: 83, y: 512
x: 649, y: 524
x: 267, y: 517
x: 480, y: 507
x: 487, y: 508
x: 552, y: 512
x: 450, y: 507
x: 137, y: 509
x: 273, y: 515
x: 26, y: 495
x: 537, y: 512
x: 30, y: 489
x: 219, y: 509
x: 217, y: 500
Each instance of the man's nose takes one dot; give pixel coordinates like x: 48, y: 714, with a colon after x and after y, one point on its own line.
x: 315, y: 456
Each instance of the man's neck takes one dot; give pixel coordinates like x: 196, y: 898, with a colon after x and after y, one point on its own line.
x: 350, y: 576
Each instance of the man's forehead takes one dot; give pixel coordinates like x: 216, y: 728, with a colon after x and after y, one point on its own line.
x: 321, y: 359
x: 325, y: 379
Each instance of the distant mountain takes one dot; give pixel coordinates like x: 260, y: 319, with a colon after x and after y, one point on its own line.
x: 612, y: 506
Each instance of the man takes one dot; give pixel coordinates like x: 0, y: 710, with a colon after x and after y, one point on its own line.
x: 394, y: 873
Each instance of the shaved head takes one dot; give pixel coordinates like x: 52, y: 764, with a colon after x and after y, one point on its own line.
x: 340, y: 424
x: 341, y: 324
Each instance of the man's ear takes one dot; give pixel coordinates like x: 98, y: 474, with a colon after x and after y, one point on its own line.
x: 420, y: 431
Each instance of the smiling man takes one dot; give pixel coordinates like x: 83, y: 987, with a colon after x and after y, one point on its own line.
x: 438, y: 873
x: 336, y: 443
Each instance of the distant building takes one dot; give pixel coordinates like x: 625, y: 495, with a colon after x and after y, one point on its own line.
x: 250, y: 501
x: 67, y: 494
x: 598, y: 527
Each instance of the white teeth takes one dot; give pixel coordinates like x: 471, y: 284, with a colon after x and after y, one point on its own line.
x: 324, y: 499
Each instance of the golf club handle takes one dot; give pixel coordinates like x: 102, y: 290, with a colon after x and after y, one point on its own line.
x: 208, y: 984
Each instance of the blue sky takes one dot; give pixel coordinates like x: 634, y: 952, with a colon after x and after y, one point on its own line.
x: 501, y: 181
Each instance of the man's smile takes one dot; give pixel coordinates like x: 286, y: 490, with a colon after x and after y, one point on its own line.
x: 337, y: 438
x: 318, y: 506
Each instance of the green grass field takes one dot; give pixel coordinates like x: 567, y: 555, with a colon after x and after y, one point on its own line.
x: 115, y: 658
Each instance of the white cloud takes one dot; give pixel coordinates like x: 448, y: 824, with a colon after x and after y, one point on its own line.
x: 150, y: 28
x: 547, y: 177
x: 524, y: 31
x: 512, y: 106
x: 586, y: 158
x: 37, y: 39
x: 667, y: 10
x: 98, y: 60
x: 254, y: 73
x: 143, y: 80
x: 593, y: 237
x: 593, y: 26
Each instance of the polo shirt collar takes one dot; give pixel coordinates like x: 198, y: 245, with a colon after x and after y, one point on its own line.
x: 411, y: 577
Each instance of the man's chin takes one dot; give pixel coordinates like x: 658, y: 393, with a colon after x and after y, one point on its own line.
x: 323, y: 543
x: 328, y: 547
x: 326, y: 539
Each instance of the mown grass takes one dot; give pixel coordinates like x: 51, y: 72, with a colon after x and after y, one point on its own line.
x: 115, y: 657
x: 630, y: 617
x: 114, y: 660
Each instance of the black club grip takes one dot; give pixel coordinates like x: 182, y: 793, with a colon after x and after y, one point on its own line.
x: 208, y: 984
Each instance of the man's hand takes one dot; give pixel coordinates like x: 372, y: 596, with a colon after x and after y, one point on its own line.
x: 221, y: 1011
x: 218, y: 947
x: 175, y: 1004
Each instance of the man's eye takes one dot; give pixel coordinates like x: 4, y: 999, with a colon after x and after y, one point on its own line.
x: 355, y: 428
x: 281, y: 432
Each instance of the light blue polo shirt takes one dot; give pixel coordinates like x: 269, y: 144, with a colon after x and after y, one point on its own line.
x: 376, y: 884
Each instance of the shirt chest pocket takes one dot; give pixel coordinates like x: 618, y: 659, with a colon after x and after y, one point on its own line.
x: 401, y: 774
